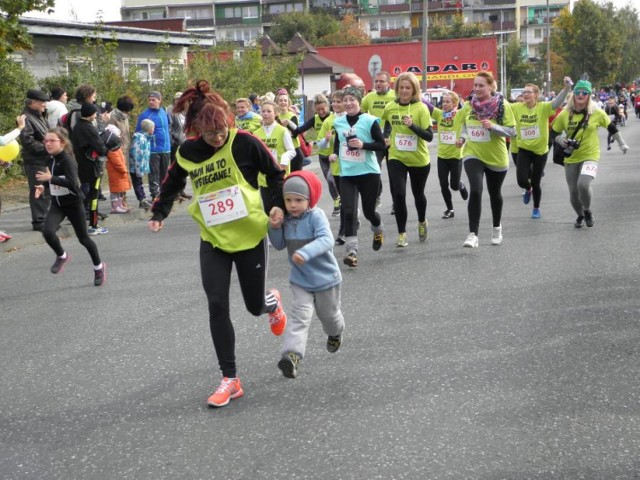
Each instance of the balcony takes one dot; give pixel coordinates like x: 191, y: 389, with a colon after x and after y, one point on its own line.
x: 502, y: 26
x: 395, y: 32
x: 398, y: 7
x: 536, y: 21
x: 437, y: 6
x: 199, y: 22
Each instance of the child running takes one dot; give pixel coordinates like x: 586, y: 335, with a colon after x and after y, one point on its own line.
x: 315, y: 277
x: 66, y: 201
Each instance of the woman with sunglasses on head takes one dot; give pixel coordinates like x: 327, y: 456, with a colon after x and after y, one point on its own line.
x: 578, y: 126
x: 61, y: 175
x: 532, y: 137
x: 486, y: 120
x: 223, y: 164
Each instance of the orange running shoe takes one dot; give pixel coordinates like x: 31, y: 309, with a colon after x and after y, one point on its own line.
x: 277, y: 318
x: 229, y: 388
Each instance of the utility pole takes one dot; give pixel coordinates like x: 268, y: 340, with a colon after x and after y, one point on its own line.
x: 425, y: 41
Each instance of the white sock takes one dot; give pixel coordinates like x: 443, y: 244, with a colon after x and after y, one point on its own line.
x: 98, y: 267
x: 63, y: 256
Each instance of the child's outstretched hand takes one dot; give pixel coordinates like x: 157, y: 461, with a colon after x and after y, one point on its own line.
x: 297, y: 259
x: 276, y: 217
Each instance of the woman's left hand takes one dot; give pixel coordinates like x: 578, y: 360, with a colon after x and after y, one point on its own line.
x: 486, y: 123
x: 39, y: 191
x: 297, y: 259
x: 355, y: 143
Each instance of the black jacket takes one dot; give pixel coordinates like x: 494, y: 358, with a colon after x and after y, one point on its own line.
x: 32, y: 138
x: 87, y: 146
x: 65, y: 174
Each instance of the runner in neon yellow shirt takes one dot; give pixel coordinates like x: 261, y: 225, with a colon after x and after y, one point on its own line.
x: 449, y: 155
x: 486, y: 120
x: 581, y: 166
x: 532, y: 137
x: 409, y: 122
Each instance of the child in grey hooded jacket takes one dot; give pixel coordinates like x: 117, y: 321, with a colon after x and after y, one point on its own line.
x: 315, y: 276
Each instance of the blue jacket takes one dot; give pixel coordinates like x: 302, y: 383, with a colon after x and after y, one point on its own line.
x: 161, y: 139
x: 310, y: 236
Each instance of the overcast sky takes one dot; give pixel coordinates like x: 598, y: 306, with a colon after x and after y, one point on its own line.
x: 83, y: 10
x: 88, y: 10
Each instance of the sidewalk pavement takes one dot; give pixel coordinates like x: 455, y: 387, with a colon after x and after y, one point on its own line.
x: 15, y: 219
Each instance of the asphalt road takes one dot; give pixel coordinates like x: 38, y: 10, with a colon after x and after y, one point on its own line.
x: 517, y: 361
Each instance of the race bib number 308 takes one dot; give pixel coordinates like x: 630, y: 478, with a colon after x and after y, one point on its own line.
x: 222, y: 206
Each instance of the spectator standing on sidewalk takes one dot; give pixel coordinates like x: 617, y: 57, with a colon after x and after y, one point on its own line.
x: 34, y: 155
x: 160, y: 143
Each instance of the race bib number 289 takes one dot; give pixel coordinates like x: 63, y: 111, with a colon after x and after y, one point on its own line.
x: 222, y: 206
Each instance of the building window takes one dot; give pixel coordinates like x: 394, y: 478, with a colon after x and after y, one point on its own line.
x: 537, y: 33
x: 273, y: 9
x: 250, y: 12
x: 73, y: 64
x: 373, y: 26
x: 233, y: 12
x: 148, y: 69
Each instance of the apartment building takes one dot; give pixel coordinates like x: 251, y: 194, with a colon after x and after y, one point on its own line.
x: 245, y: 21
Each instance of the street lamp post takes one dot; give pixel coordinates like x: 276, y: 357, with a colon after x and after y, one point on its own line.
x: 548, y: 48
x: 425, y: 42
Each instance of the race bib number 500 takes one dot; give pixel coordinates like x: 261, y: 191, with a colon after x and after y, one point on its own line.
x: 222, y: 206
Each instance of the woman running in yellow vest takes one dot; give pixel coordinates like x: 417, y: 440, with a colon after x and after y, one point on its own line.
x: 223, y: 164
x: 532, y: 137
x: 486, y: 120
x: 278, y: 141
x: 285, y: 112
x: 449, y: 156
x: 408, y: 121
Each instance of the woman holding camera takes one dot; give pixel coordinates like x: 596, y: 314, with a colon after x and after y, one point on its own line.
x: 409, y: 123
x: 578, y: 125
x: 532, y: 130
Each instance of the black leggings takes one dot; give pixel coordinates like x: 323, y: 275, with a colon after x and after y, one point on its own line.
x: 418, y: 177
x: 325, y: 165
x: 529, y: 171
x: 336, y: 179
x: 76, y: 215
x: 215, y: 270
x: 476, y: 170
x: 449, y: 171
x: 367, y: 185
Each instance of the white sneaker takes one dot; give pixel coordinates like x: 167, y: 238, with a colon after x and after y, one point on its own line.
x: 496, y: 236
x: 471, y: 241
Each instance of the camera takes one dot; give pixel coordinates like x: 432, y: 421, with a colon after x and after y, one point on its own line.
x: 572, y: 144
x: 350, y: 134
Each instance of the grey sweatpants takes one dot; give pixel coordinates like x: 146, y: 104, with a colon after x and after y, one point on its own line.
x: 327, y: 306
x: 579, y: 187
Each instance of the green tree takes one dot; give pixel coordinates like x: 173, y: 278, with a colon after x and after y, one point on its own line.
x: 350, y: 33
x: 312, y: 26
x: 440, y: 30
x: 14, y: 36
x: 519, y: 70
x: 627, y: 20
x: 589, y: 41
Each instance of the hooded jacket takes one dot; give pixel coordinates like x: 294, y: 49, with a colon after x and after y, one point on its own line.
x: 310, y: 236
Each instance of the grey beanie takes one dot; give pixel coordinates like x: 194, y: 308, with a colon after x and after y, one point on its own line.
x: 296, y: 185
x: 155, y: 94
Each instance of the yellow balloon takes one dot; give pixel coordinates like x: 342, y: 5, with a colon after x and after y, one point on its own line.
x: 10, y: 151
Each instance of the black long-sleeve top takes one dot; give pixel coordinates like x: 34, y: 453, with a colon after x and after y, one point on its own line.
x: 251, y: 156
x: 64, y: 171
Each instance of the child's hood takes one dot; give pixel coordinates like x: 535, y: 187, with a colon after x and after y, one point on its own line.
x: 315, y: 186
